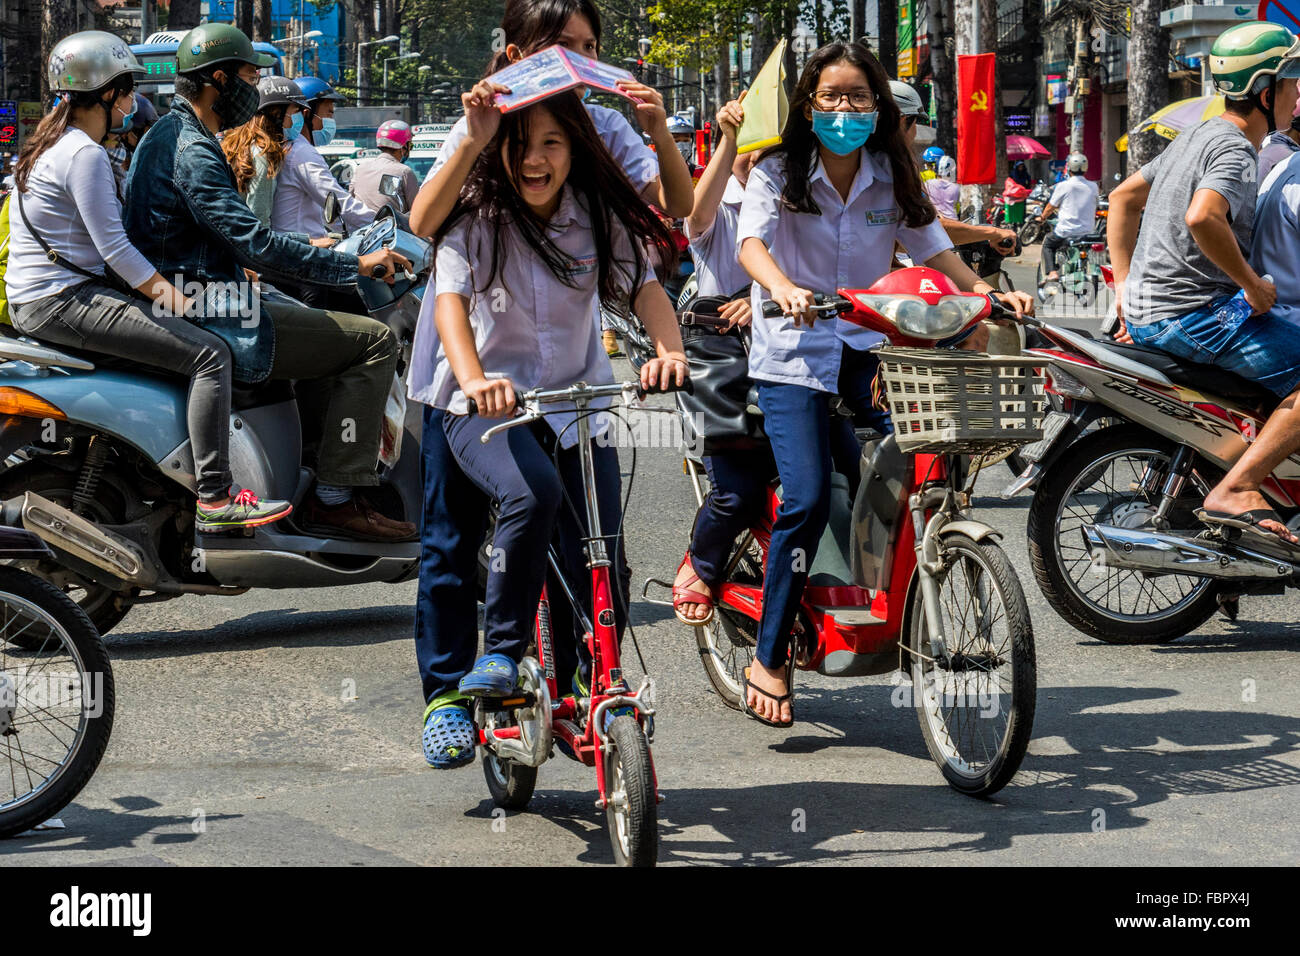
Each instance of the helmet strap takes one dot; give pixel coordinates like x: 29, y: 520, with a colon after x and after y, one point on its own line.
x: 1258, y: 99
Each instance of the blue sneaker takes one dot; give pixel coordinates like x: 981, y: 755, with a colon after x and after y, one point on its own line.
x: 493, y: 675
x: 449, y: 733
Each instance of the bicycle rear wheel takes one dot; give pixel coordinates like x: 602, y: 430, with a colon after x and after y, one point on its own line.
x: 975, y: 702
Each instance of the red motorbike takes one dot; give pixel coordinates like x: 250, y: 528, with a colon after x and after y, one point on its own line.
x: 904, y: 578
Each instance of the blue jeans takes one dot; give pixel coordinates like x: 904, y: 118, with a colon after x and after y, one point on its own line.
x: 446, y: 605
x: 808, y: 444
x: 737, y: 496
x: 1262, y: 349
x: 536, y: 505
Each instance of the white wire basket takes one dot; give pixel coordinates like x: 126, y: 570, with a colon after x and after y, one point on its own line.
x: 958, y: 402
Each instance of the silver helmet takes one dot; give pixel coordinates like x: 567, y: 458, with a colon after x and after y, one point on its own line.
x: 89, y: 61
x: 908, y: 100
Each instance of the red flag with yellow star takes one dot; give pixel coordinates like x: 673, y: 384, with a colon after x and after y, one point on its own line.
x: 976, y: 142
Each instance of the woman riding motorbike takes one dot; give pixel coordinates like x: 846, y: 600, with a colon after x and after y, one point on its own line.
x: 257, y: 150
x: 68, y: 234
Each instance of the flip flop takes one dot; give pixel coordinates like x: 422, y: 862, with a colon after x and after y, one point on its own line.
x: 682, y: 594
x: 788, y: 695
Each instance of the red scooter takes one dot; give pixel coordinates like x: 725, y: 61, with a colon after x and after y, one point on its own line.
x: 904, y: 579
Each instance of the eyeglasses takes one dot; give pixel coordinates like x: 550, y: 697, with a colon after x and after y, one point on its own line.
x: 858, y: 99
x: 909, y: 122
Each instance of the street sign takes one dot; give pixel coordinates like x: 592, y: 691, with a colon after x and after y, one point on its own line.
x: 1283, y: 12
x: 8, y: 126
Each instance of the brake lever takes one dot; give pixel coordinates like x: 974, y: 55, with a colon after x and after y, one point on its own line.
x: 531, y: 415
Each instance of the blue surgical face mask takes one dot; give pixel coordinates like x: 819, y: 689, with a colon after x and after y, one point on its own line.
x: 323, y: 135
x: 295, y: 127
x: 843, y: 133
x: 127, y: 120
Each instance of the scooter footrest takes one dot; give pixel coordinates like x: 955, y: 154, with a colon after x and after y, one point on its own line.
x: 852, y: 615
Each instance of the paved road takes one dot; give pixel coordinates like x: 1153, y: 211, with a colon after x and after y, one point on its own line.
x: 283, y: 728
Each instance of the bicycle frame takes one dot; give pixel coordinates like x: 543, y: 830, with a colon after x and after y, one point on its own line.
x: 586, y: 740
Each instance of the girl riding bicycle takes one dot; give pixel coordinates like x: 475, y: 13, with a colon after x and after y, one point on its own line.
x: 822, y: 211
x: 546, y: 226
x: 446, y: 614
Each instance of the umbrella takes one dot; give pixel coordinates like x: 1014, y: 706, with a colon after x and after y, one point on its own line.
x: 1176, y: 117
x: 1022, y: 147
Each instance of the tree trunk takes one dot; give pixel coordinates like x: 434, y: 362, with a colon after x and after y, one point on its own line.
x: 858, y: 19
x: 762, y: 43
x: 183, y: 15
x: 262, y: 25
x: 721, y: 69
x: 244, y: 16
x: 58, y: 20
x: 1148, y: 79
x: 988, y: 27
x: 943, y: 85
x: 887, y: 26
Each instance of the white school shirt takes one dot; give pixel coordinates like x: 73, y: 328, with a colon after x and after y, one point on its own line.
x: 529, y: 326
x: 301, y: 187
x: 717, y: 265
x: 631, y: 153
x: 850, y: 245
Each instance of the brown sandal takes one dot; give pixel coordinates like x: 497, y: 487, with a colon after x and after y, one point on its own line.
x: 682, y: 594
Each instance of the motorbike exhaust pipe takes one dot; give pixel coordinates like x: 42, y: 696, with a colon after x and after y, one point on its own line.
x: 1170, y: 553
x: 87, y: 541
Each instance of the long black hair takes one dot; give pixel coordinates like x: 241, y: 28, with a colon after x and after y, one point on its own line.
x: 533, y: 25
x: 598, y: 183
x: 799, y: 145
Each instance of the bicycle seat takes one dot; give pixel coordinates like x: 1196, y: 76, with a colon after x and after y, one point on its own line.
x: 1209, y: 379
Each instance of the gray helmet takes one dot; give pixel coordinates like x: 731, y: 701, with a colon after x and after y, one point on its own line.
x: 1076, y: 163
x: 908, y: 100
x: 89, y: 61
x: 279, y: 91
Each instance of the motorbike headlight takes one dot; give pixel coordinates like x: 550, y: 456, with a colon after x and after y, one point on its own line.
x: 947, y: 318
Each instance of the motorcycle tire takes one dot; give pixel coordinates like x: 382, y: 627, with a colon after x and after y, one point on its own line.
x: 1063, y: 593
x: 68, y: 625
x: 1029, y: 233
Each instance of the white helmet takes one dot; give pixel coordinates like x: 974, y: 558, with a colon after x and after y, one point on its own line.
x: 948, y: 169
x: 908, y: 100
x: 1076, y: 163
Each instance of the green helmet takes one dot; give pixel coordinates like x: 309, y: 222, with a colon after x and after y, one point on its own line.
x: 89, y: 61
x: 1247, y: 53
x: 212, y: 43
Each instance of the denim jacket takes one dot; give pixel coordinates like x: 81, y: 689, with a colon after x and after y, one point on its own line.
x: 184, y: 213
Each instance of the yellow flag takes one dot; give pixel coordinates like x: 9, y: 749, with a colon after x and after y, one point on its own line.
x: 766, y: 106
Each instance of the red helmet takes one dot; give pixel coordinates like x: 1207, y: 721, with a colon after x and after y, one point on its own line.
x: 394, y: 134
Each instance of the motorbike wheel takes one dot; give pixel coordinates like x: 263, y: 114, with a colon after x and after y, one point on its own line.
x: 990, y: 661
x: 632, y: 809
x: 53, y: 746
x: 1030, y: 232
x: 1091, y: 483
x: 726, y: 643
x: 104, y: 606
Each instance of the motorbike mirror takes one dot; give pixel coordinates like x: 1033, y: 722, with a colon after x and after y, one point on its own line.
x: 332, y: 209
x: 1118, y: 178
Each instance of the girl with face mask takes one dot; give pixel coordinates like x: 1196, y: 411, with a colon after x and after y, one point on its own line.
x: 822, y: 211
x: 257, y: 150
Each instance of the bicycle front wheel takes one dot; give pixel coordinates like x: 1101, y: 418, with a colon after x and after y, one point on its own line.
x: 631, y: 810
x: 975, y: 700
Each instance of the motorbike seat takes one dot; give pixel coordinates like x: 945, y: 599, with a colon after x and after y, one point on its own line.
x: 269, y: 392
x: 1210, y: 379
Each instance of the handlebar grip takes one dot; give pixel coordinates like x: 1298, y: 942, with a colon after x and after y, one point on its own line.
x: 687, y: 386
x: 771, y: 310
x: 378, y: 272
x: 471, y: 407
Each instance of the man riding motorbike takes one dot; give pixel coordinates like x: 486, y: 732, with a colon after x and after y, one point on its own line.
x: 1175, y: 279
x: 385, y: 179
x: 67, y: 233
x: 1076, y: 199
x: 185, y: 215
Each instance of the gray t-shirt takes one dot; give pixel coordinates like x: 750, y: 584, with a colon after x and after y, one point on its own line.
x: 1170, y: 275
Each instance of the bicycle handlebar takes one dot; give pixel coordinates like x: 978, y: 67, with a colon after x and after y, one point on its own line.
x: 821, y: 303
x: 581, y: 395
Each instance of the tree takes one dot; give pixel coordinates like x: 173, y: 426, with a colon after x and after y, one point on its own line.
x: 58, y: 20
x: 887, y: 27
x: 943, y: 85
x: 183, y: 15
x: 244, y: 16
x: 1148, y: 78
x: 262, y: 25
